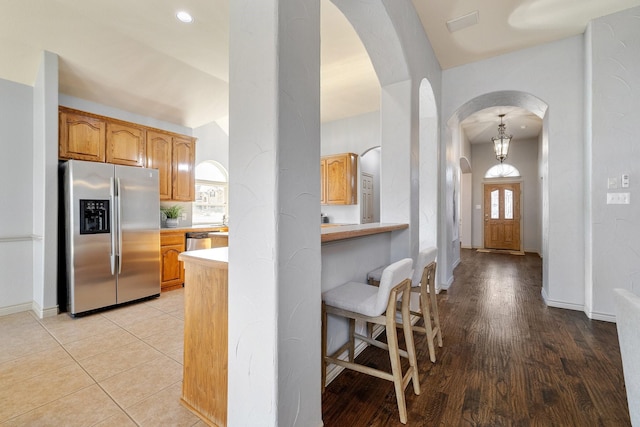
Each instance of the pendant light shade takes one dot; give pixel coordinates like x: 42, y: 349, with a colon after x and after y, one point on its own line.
x: 501, y: 142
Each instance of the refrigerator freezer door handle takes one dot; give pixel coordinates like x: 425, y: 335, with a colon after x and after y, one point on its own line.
x: 112, y: 224
x: 119, y: 227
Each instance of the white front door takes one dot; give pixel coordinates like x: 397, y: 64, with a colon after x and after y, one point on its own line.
x: 366, y: 205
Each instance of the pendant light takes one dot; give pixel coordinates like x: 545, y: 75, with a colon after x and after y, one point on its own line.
x: 501, y: 142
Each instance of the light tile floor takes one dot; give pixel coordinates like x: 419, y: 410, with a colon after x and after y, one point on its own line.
x: 121, y: 367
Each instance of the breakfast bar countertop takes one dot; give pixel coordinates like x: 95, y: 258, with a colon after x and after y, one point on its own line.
x: 195, y: 228
x: 207, y: 257
x: 342, y: 232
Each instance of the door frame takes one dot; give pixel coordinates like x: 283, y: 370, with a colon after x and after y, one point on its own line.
x: 506, y: 181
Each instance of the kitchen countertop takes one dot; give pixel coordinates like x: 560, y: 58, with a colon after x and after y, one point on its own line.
x: 208, y: 257
x: 195, y: 228
x: 328, y: 232
x: 342, y: 232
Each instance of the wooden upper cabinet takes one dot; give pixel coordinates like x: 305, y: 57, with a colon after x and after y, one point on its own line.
x: 126, y: 145
x: 323, y: 181
x: 174, y: 157
x: 87, y: 136
x: 159, y: 149
x: 81, y: 137
x: 341, y: 184
x: 182, y: 166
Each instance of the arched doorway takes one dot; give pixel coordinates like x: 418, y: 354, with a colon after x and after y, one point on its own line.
x: 511, y: 99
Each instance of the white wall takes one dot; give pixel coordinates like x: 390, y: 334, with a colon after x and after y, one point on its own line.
x: 613, y: 53
x: 212, y: 144
x: 16, y: 190
x: 553, y: 73
x: 116, y: 113
x: 523, y: 155
x: 466, y: 210
x: 352, y: 135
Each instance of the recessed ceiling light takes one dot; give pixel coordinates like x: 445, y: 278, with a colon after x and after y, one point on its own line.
x: 184, y: 16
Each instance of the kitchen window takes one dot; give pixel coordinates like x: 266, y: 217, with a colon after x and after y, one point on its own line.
x: 212, y: 194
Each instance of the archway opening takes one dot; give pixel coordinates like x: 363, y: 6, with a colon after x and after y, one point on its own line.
x: 532, y: 167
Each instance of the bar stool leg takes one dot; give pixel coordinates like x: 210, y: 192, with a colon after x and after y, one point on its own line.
x: 436, y: 315
x: 426, y: 317
x: 352, y: 339
x: 396, y: 368
x: 408, y: 337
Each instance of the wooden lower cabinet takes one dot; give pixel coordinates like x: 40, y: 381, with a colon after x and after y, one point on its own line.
x: 206, y: 342
x: 171, y: 269
x: 219, y: 240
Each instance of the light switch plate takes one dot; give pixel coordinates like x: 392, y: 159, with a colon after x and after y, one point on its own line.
x: 618, y: 198
x: 612, y: 183
x: 624, y: 180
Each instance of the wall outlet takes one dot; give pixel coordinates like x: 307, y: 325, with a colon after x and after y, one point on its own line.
x: 618, y: 198
x: 184, y: 216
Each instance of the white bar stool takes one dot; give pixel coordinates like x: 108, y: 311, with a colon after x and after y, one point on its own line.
x: 423, y: 282
x: 359, y: 301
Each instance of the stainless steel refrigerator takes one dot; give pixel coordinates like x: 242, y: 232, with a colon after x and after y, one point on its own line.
x: 112, y: 234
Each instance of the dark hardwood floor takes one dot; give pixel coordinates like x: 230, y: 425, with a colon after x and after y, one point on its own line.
x: 507, y: 360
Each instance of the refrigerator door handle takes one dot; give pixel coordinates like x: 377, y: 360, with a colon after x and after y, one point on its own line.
x: 112, y: 223
x: 119, y: 227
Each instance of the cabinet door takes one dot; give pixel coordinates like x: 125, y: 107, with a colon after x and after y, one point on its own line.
x: 126, y: 145
x: 172, y: 273
x: 219, y: 241
x: 183, y: 165
x: 341, y: 185
x: 323, y: 181
x: 159, y: 148
x: 81, y: 137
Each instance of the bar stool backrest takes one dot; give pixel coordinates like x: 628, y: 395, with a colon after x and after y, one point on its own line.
x: 425, y: 257
x: 392, y: 275
x: 627, y: 322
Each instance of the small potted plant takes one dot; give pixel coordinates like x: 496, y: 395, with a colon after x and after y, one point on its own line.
x: 172, y: 213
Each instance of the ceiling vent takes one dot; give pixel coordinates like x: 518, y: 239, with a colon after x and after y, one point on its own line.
x: 464, y: 21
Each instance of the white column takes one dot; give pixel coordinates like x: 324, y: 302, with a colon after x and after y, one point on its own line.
x: 274, y: 241
x: 45, y: 186
x: 398, y: 197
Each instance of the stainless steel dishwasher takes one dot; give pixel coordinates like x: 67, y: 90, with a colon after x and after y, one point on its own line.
x: 198, y: 240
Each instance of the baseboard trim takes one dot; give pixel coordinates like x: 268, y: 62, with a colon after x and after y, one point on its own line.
x: 560, y: 304
x: 500, y: 251
x: 602, y: 316
x: 12, y: 309
x: 41, y: 313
